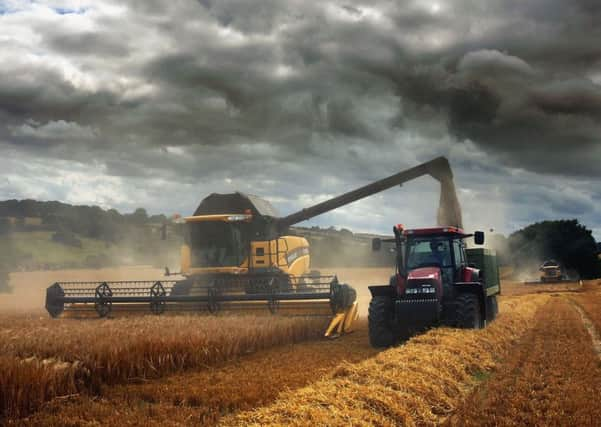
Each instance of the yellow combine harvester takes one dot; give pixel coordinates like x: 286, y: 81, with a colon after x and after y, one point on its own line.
x: 244, y: 258
x: 239, y: 255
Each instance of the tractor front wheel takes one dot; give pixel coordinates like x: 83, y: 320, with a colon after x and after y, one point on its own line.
x: 382, y: 328
x: 469, y: 315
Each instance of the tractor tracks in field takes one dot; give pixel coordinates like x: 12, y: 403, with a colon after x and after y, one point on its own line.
x: 419, y: 383
x: 549, y: 379
x: 590, y: 327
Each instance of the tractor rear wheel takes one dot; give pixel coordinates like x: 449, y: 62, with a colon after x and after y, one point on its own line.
x: 382, y: 328
x: 492, y: 308
x: 469, y: 315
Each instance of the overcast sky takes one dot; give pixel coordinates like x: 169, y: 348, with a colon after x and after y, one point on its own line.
x: 156, y: 104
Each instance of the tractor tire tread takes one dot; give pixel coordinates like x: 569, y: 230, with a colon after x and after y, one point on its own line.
x: 468, y: 315
x: 493, y: 306
x: 382, y: 332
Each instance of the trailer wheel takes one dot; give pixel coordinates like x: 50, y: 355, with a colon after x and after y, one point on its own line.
x: 469, y: 315
x: 382, y: 328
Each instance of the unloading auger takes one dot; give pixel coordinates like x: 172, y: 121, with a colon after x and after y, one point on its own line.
x: 239, y: 255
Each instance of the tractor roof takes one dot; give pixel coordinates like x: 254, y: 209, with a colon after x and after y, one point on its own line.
x: 436, y: 231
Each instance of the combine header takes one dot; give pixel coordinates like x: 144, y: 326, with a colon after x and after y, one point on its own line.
x: 239, y: 255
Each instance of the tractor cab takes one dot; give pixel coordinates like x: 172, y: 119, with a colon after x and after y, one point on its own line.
x: 438, y: 251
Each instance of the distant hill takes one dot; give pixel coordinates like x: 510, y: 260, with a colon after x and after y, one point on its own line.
x: 51, y: 235
x: 88, y: 221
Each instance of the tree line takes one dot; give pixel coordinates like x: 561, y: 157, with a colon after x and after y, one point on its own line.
x: 565, y: 241
x: 87, y: 221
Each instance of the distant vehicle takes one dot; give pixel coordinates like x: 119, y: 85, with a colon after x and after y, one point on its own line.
x: 551, y: 271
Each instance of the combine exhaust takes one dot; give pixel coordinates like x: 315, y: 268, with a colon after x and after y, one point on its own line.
x: 311, y: 296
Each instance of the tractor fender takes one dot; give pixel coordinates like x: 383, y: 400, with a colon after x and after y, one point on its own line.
x: 472, y: 287
x: 382, y: 291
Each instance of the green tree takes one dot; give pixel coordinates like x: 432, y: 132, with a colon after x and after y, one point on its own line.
x: 566, y: 241
x: 139, y: 217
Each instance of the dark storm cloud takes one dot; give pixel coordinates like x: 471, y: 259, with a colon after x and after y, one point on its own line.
x: 286, y: 72
x: 578, y: 97
x: 87, y: 43
x: 298, y: 92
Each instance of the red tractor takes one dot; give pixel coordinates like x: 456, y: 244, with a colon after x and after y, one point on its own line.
x: 437, y: 282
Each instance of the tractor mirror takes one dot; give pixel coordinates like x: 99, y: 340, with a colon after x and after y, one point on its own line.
x: 376, y: 244
x: 479, y: 237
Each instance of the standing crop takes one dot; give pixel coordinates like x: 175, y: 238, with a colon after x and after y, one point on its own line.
x: 42, y: 359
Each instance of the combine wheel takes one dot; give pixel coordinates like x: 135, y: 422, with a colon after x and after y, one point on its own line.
x: 382, y: 328
x: 213, y: 302
x: 181, y: 287
x: 469, y: 315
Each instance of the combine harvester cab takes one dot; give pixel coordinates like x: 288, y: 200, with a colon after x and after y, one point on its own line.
x: 437, y: 282
x: 240, y: 255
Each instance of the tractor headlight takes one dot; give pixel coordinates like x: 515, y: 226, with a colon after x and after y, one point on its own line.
x: 418, y: 291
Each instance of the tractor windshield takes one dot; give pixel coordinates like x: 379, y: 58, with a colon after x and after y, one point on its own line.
x: 428, y: 251
x: 218, y: 243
